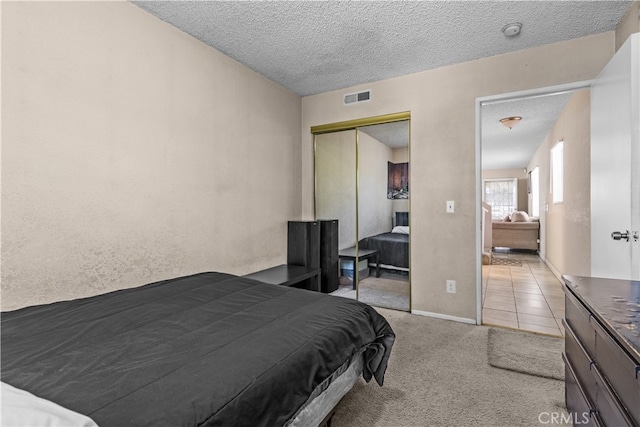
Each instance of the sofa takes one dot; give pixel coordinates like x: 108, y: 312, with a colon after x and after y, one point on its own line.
x: 516, y: 231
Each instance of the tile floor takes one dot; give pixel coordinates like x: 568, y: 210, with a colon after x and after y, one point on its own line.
x: 529, y: 297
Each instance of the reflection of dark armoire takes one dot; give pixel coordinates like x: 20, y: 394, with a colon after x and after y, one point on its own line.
x: 315, y: 244
x: 329, y: 254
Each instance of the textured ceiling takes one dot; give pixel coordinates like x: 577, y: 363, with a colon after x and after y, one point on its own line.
x: 504, y: 148
x: 312, y: 47
x: 394, y: 135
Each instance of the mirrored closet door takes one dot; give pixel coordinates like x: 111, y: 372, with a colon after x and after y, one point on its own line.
x: 362, y: 179
x: 335, y: 195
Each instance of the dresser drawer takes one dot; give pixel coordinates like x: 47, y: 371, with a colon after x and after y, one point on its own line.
x: 609, y: 408
x: 578, y: 318
x: 580, y: 409
x: 619, y: 370
x: 580, y: 362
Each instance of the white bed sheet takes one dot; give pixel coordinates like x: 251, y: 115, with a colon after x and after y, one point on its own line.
x: 20, y: 408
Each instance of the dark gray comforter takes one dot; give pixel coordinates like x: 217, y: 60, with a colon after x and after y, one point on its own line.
x: 208, y: 349
x: 393, y: 248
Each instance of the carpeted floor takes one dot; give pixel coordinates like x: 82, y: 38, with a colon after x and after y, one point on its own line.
x: 385, y: 292
x: 532, y: 354
x: 390, y: 290
x: 439, y: 375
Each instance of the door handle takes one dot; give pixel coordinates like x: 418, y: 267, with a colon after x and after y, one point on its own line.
x: 619, y: 235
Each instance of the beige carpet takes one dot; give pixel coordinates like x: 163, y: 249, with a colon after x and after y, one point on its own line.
x: 529, y: 353
x: 382, y: 292
x: 438, y: 375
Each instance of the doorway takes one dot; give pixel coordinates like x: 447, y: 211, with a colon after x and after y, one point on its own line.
x: 525, y: 291
x: 362, y: 179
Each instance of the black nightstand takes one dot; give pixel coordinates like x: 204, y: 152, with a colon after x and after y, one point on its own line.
x: 350, y: 254
x: 288, y: 275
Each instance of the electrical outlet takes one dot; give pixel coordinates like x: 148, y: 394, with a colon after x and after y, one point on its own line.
x: 451, y: 286
x: 451, y: 206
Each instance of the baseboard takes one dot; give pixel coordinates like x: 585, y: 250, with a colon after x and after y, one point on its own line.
x: 444, y: 317
x: 551, y: 267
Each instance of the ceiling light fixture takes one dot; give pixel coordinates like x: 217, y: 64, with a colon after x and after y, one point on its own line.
x: 511, y: 30
x: 510, y: 122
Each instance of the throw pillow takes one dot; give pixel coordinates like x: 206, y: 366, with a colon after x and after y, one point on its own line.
x: 520, y: 216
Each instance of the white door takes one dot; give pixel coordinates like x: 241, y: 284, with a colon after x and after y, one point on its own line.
x: 615, y: 166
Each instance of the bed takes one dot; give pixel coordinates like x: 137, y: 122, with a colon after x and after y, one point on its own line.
x: 209, y: 349
x: 393, y: 246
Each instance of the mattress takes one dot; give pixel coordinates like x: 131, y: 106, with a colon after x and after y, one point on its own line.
x: 393, y: 248
x: 208, y: 349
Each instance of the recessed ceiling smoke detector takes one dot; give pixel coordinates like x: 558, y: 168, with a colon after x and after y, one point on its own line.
x: 511, y: 30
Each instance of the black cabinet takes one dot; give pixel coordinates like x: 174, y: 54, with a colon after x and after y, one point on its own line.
x: 329, y: 255
x: 303, y: 243
x: 314, y: 244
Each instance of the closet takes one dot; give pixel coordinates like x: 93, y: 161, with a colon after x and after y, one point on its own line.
x: 362, y: 180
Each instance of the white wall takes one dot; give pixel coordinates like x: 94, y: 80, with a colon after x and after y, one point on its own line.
x: 566, y: 227
x: 132, y: 152
x: 336, y: 183
x: 442, y: 151
x: 374, y: 209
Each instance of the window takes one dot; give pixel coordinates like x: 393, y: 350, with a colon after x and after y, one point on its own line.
x: 535, y: 192
x: 557, y: 172
x: 502, y: 195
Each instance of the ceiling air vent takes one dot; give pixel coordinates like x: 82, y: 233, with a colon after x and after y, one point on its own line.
x: 352, y: 98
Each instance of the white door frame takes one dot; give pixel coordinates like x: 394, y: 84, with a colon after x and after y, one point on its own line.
x: 494, y: 99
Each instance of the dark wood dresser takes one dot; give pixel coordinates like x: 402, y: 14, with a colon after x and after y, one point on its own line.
x: 602, y: 351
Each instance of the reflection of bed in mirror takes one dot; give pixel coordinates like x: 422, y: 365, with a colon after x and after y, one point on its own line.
x: 393, y: 246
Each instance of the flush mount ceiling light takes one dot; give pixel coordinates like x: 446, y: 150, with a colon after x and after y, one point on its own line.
x: 510, y: 122
x: 511, y: 30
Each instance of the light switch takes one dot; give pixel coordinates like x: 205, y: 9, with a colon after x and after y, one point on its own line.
x: 451, y: 206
